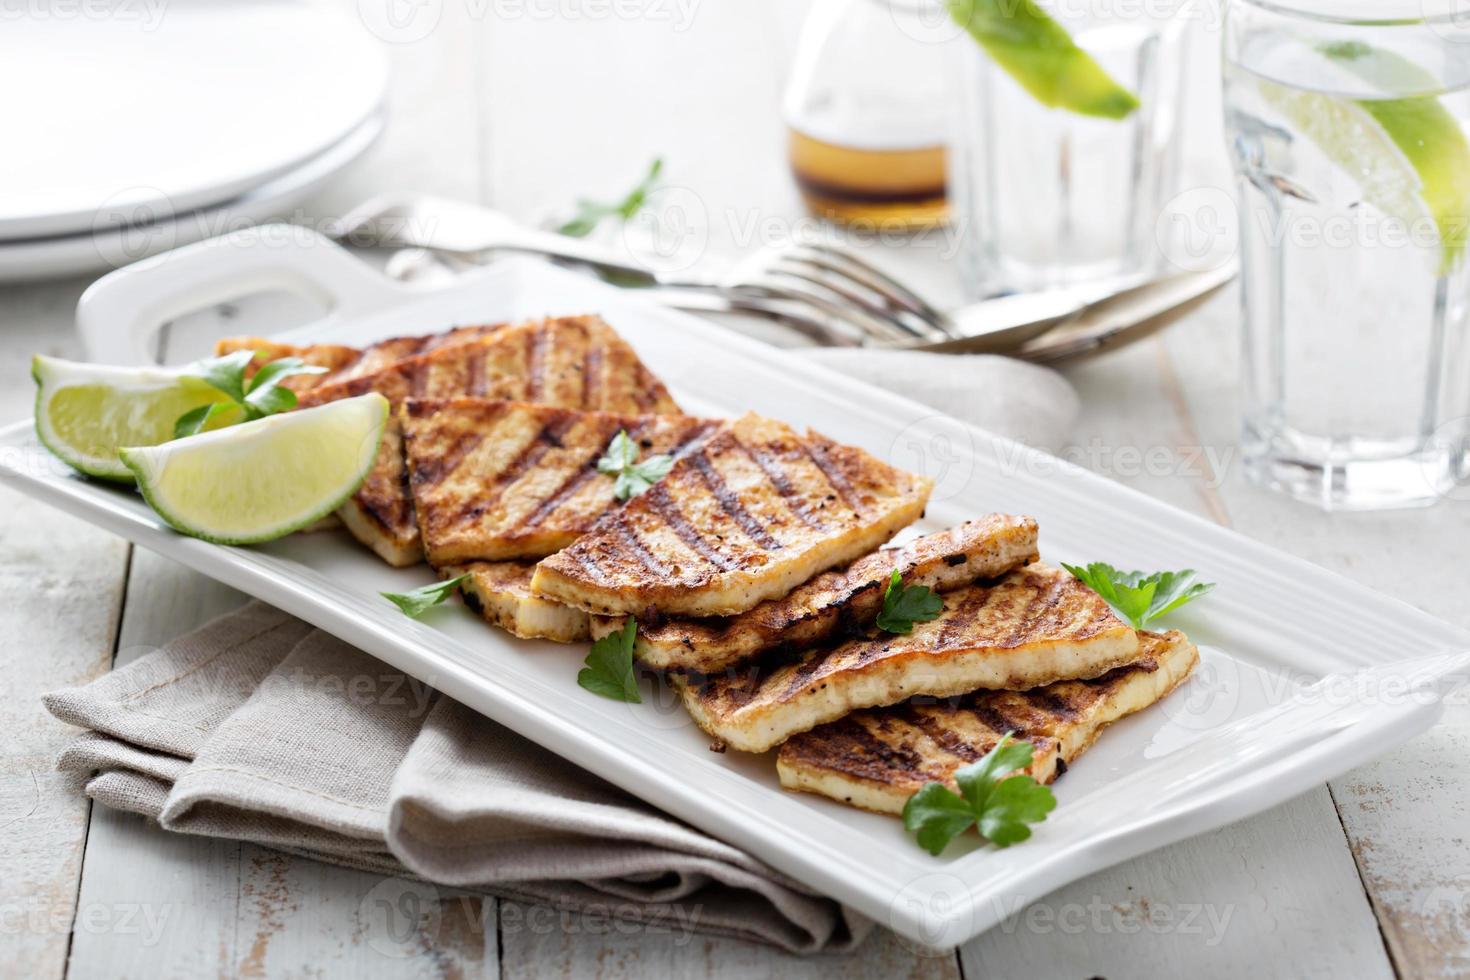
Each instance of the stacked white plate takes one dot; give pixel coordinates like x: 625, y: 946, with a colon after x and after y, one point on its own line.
x: 153, y: 125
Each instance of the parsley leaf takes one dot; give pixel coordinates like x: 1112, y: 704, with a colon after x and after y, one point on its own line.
x: 996, y: 803
x: 414, y: 603
x: 609, y: 670
x: 256, y: 397
x: 1141, y: 599
x: 590, y: 214
x: 903, y: 606
x: 226, y: 373
x: 633, y: 477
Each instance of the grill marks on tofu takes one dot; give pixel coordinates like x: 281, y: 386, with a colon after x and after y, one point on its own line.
x: 495, y: 480
x: 877, y: 759
x: 568, y: 362
x: 501, y: 592
x: 571, y: 362
x: 345, y: 363
x: 747, y: 516
x: 836, y: 602
x: 1035, y: 626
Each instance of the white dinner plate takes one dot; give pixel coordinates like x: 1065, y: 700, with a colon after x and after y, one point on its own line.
x: 1244, y: 734
x: 165, y: 108
x: 111, y: 247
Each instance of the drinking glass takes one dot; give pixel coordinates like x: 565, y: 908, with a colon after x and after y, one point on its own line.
x: 1044, y: 197
x: 1345, y: 121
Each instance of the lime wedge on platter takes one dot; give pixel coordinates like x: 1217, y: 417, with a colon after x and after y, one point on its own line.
x: 1031, y: 47
x: 261, y: 480
x: 85, y: 413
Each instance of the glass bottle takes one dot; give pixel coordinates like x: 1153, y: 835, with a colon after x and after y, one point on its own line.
x: 866, y: 112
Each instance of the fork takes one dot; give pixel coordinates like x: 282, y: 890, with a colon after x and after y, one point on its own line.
x: 826, y: 293
x: 855, y: 302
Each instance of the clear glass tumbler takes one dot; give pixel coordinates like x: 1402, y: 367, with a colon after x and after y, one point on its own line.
x: 1346, y: 124
x: 1048, y: 196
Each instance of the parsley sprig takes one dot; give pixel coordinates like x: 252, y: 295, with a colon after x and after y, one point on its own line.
x: 255, y: 397
x: 416, y: 601
x: 609, y: 666
x: 633, y: 477
x: 996, y: 803
x: 590, y: 214
x: 1141, y: 598
x: 903, y: 606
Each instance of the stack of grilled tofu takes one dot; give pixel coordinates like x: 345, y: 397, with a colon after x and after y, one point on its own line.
x: 756, y: 569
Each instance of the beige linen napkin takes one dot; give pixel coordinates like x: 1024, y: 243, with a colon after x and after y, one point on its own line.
x: 258, y: 727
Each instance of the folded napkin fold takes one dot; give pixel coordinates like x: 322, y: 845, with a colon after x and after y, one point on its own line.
x: 257, y: 727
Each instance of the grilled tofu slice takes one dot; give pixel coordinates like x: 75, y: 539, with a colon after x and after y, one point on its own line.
x: 834, y: 602
x: 501, y: 592
x: 570, y: 362
x: 877, y: 759
x: 1035, y: 626
x: 345, y: 363
x: 748, y: 515
x: 494, y: 480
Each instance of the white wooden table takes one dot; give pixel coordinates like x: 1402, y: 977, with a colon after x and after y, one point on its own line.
x: 1368, y: 876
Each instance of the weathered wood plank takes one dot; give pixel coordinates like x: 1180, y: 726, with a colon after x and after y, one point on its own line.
x: 1404, y: 814
x: 1279, y: 888
x: 539, y: 942
x: 63, y: 583
x: 1276, y: 894
x: 230, y: 909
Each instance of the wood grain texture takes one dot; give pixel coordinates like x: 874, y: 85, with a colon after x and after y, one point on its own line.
x: 1405, y: 814
x: 527, y: 115
x: 229, y: 909
x: 539, y: 942
x: 63, y: 582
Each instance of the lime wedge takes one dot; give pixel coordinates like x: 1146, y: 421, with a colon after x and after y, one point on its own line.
x: 263, y: 479
x: 86, y: 412
x: 1042, y: 57
x: 1409, y: 155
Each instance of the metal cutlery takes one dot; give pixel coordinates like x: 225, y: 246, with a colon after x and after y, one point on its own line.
x: 828, y: 294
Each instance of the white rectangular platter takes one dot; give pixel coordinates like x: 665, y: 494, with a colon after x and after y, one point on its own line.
x: 1205, y: 757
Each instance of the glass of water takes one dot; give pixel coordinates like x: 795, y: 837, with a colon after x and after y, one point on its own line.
x: 1059, y: 165
x: 1346, y: 124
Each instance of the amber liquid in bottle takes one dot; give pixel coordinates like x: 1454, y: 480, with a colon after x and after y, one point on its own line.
x: 891, y: 189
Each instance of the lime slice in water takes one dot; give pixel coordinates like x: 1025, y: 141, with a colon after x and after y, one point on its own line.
x: 86, y: 412
x: 1409, y: 155
x: 263, y: 479
x: 1042, y: 57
